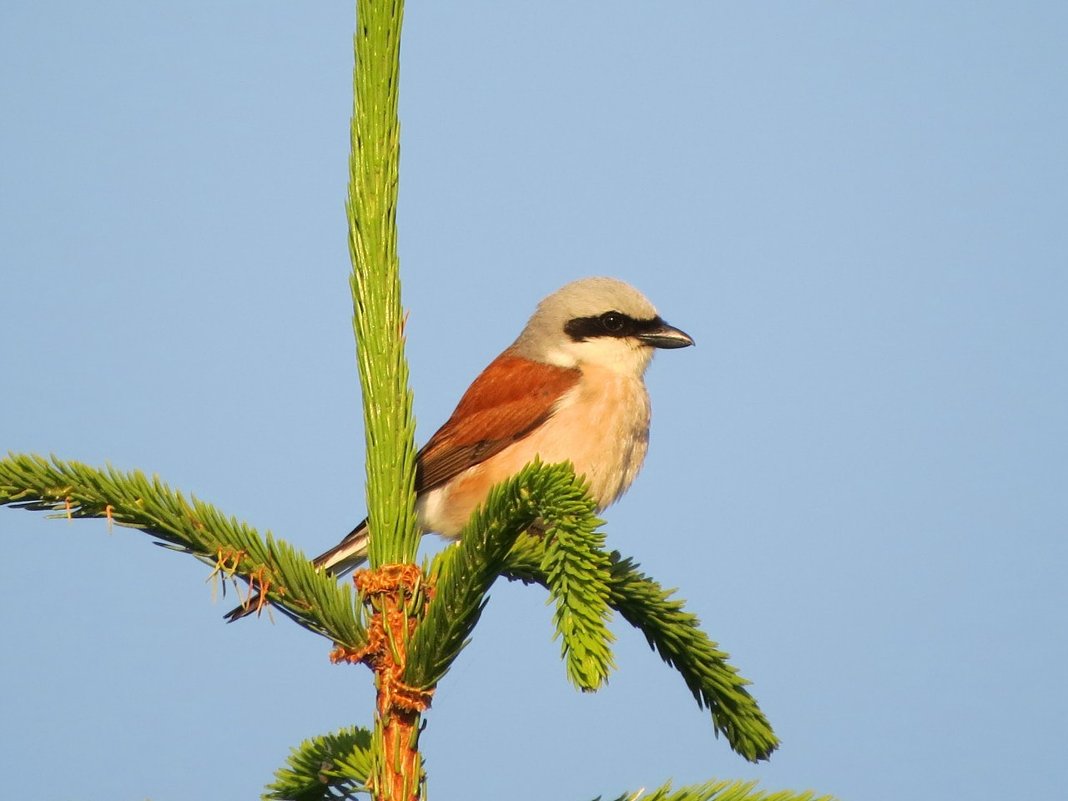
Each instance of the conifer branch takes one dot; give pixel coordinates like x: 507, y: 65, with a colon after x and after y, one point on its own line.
x: 389, y: 423
x: 575, y: 575
x: 378, y: 319
x: 676, y: 635
x: 234, y: 549
x: 721, y: 791
x: 333, y: 766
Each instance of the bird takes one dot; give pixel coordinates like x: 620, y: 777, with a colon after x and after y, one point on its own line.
x: 571, y: 388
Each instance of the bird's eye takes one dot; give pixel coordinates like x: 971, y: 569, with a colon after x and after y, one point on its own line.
x: 613, y: 322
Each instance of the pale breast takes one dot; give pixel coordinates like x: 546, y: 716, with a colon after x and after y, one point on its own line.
x: 601, y: 426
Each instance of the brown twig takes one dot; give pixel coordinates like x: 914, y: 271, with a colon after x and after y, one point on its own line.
x: 390, y: 592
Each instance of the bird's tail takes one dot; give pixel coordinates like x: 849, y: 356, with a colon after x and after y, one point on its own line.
x: 347, y: 555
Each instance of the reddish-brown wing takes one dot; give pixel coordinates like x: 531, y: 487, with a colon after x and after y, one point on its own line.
x: 511, y: 398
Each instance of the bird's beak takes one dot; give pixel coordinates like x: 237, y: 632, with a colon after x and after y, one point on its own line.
x: 666, y: 336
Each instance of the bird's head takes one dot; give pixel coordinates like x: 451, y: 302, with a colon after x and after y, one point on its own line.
x: 601, y: 322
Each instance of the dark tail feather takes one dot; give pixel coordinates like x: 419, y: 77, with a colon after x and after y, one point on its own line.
x: 347, y: 555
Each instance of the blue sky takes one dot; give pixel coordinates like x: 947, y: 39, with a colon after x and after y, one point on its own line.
x: 857, y: 479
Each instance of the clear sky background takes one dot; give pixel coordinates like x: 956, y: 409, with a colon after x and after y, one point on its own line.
x: 858, y: 479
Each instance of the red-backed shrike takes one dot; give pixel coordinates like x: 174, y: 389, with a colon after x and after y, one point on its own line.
x: 570, y: 388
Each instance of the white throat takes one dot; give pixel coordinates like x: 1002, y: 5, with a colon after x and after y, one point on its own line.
x: 625, y: 356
